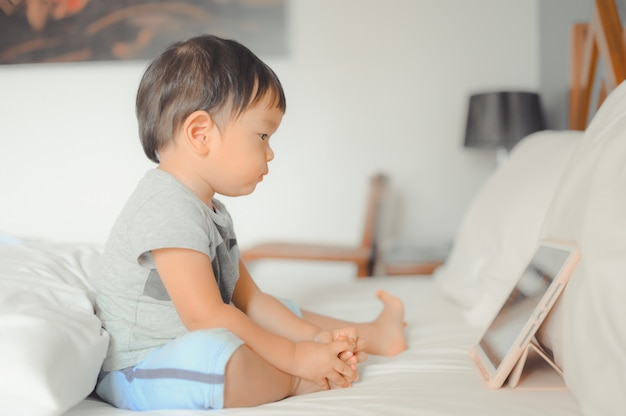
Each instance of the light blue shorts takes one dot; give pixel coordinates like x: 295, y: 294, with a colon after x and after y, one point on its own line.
x: 186, y: 373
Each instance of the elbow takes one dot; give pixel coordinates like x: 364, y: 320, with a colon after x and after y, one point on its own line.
x: 217, y: 317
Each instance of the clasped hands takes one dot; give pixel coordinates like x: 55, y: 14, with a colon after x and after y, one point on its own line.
x: 334, y: 357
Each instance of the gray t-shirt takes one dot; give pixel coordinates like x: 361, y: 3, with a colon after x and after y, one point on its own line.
x: 132, y: 302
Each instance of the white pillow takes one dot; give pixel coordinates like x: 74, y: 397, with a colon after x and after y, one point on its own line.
x: 587, y: 331
x: 51, y: 342
x: 501, y: 228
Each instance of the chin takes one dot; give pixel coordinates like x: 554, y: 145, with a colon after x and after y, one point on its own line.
x: 251, y: 189
x: 247, y: 192
x: 243, y: 191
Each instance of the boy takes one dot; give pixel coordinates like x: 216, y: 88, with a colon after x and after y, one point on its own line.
x: 189, y: 328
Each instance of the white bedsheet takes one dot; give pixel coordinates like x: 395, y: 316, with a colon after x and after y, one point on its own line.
x: 435, y: 376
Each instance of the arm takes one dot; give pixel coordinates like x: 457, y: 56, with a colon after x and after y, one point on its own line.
x: 269, y: 312
x: 273, y: 315
x: 190, y: 282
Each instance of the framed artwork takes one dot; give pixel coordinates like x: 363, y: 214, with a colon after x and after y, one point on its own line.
x: 36, y: 31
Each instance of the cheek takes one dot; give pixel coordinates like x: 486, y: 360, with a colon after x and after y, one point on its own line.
x: 245, y: 163
x: 235, y: 153
x: 244, y: 158
x: 255, y: 153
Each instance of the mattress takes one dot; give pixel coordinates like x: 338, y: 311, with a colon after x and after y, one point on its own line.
x: 434, y: 377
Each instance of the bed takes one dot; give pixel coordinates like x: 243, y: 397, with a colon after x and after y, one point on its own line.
x: 567, y: 185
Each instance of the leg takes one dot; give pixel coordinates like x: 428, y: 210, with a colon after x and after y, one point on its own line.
x: 383, y: 336
x: 206, y: 369
x: 251, y: 381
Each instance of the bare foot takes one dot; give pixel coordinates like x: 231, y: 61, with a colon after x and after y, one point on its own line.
x: 389, y: 326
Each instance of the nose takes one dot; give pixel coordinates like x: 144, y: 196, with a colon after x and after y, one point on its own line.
x: 269, y: 154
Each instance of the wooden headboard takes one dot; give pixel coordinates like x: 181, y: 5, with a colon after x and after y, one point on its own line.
x: 602, y: 40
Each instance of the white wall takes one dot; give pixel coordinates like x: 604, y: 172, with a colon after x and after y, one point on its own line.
x: 371, y: 85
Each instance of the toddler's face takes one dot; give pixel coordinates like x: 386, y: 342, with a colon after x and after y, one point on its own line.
x: 244, y: 150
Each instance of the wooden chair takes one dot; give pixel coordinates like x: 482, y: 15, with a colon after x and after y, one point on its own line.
x: 363, y: 255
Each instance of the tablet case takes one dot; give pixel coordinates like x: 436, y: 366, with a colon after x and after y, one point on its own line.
x: 536, y: 370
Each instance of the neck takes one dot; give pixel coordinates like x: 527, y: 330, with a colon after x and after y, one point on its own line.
x: 186, y: 175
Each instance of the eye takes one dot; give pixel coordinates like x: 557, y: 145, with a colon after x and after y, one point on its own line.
x: 264, y: 136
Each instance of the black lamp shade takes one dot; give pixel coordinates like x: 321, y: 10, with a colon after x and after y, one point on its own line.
x: 501, y: 119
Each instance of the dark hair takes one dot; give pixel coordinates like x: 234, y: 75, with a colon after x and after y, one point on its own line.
x: 202, y: 73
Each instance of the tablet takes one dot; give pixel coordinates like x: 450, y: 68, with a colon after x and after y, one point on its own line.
x: 515, y: 325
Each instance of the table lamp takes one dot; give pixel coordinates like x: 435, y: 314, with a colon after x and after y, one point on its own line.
x: 498, y: 120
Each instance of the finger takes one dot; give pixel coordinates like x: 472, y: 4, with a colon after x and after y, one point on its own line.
x: 347, y: 371
x: 340, y: 346
x: 360, y: 344
x: 336, y: 379
x: 349, y: 358
x: 350, y: 333
x: 352, y: 362
x: 361, y: 356
x: 324, y: 383
x: 337, y: 386
x: 332, y: 385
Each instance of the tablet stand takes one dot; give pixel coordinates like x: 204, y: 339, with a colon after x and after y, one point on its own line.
x: 536, y: 370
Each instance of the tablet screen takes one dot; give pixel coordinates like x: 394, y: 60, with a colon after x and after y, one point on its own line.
x: 504, y: 331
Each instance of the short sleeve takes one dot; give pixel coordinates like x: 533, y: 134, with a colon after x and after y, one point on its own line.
x: 169, y: 220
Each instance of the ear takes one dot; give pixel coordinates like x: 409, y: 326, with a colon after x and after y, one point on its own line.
x: 198, y: 129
